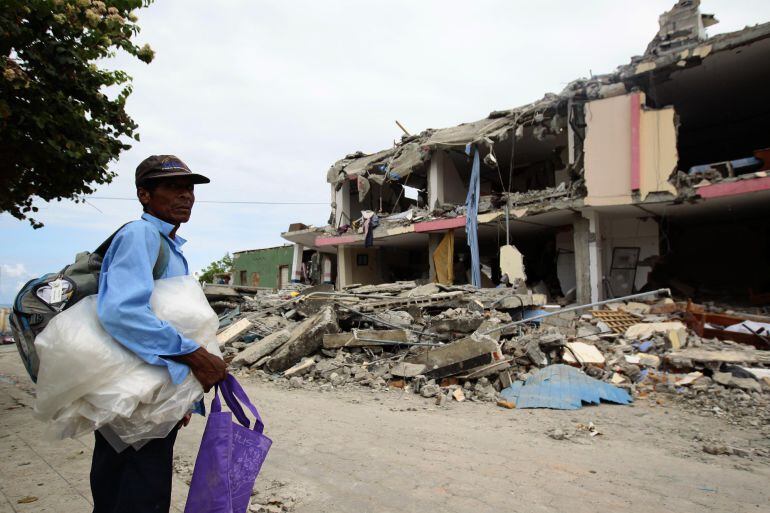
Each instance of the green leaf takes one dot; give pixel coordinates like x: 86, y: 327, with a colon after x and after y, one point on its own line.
x: 59, y: 132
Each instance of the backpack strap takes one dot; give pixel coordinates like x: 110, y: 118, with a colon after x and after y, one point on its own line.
x: 104, y: 246
x: 161, y: 262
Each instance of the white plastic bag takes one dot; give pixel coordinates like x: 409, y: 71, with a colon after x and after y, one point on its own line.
x: 88, y: 380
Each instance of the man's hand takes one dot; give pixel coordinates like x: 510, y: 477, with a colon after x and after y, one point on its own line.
x: 206, y: 367
x: 185, y: 420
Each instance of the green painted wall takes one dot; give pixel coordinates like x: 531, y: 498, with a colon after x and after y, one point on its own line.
x: 265, y: 263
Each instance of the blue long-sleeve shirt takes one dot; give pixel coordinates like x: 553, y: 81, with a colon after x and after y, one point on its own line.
x: 125, y: 287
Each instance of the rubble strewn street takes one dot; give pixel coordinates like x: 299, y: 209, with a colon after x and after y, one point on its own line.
x: 554, y: 306
x: 438, y: 342
x: 356, y: 449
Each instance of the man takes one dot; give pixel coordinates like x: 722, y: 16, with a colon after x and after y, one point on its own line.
x: 139, y: 481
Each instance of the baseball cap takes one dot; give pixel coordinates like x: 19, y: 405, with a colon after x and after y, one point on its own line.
x: 165, y: 166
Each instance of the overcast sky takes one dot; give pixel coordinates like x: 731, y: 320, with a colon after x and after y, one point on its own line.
x: 264, y: 96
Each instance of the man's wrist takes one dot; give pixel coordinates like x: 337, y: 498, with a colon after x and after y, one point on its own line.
x: 190, y: 359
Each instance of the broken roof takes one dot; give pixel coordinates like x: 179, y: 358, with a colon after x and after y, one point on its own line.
x: 414, y: 151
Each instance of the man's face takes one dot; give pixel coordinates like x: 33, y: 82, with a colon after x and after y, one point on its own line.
x: 171, y: 201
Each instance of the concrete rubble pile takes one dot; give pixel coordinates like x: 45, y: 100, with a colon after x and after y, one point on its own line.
x: 455, y: 343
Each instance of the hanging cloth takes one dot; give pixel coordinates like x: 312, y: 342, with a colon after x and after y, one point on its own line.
x: 471, y: 216
x: 370, y: 222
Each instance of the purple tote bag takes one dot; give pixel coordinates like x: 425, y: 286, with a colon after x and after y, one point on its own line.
x: 230, y: 455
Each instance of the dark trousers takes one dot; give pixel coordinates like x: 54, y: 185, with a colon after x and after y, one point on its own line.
x: 133, y: 481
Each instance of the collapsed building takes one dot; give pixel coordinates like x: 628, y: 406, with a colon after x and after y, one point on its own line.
x: 449, y: 250
x: 654, y: 175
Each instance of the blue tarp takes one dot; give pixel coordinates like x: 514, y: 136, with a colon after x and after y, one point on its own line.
x: 562, y: 387
x: 471, y: 216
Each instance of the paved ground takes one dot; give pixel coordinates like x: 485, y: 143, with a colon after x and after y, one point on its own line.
x: 360, y: 451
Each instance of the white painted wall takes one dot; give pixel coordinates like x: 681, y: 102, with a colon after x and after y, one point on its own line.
x: 296, y: 263
x: 444, y: 183
x: 342, y: 199
x: 630, y: 232
x: 595, y: 253
x: 326, y: 263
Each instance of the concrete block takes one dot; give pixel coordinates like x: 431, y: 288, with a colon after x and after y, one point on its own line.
x: 306, y: 338
x: 260, y: 349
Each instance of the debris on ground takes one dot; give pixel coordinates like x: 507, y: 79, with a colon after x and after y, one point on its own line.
x: 452, y: 344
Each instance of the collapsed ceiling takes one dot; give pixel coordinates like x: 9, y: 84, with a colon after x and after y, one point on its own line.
x: 547, y: 116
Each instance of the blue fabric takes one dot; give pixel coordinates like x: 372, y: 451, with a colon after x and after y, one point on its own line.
x: 471, y: 217
x: 562, y: 387
x: 125, y: 287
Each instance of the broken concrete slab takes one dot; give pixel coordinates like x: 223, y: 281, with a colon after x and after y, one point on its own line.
x: 565, y: 321
x: 484, y: 391
x: 689, y: 379
x: 677, y: 338
x: 649, y: 360
x: 423, y: 290
x: 399, y: 318
x: 233, y: 331
x: 728, y: 380
x: 512, y: 263
x: 759, y: 373
x: 580, y: 352
x: 535, y: 355
x: 363, y: 338
x: 214, y: 292
x: 306, y: 338
x: 383, y: 288
x: 456, y: 357
x: 505, y: 379
x: 514, y: 301
x: 261, y: 348
x: 324, y: 368
x: 399, y: 302
x: 465, y: 324
x: 487, y: 370
x: 724, y: 356
x: 551, y: 341
x: 587, y: 331
x: 483, y: 329
x: 645, y: 330
x: 408, y: 370
x: 428, y: 391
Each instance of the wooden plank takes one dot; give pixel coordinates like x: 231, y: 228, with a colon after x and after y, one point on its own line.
x: 697, y: 321
x: 233, y: 331
x: 304, y: 365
